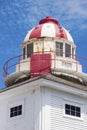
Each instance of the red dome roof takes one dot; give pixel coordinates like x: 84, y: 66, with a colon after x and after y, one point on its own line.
x: 48, y: 27
x: 47, y: 20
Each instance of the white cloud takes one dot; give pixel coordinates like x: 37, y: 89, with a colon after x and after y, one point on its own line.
x: 77, y: 9
x: 74, y: 12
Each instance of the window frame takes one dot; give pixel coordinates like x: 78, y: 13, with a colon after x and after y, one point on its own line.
x: 67, y: 50
x: 72, y: 110
x: 16, y: 111
x: 24, y: 53
x: 14, y: 103
x: 76, y: 104
x: 59, y: 50
x: 29, y: 50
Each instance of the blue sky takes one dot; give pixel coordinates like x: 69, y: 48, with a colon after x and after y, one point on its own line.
x: 19, y: 16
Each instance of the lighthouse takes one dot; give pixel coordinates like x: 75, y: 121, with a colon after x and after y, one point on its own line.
x: 46, y: 88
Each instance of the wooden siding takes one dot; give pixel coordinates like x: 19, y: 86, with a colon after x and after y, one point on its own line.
x: 54, y: 108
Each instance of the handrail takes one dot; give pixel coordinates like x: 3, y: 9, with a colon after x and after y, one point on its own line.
x: 11, y: 63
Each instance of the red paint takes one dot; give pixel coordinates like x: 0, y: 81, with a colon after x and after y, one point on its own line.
x: 40, y: 64
x: 48, y: 19
x: 36, y: 32
x: 60, y: 32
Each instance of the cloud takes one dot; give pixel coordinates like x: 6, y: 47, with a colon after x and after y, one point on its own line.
x: 77, y: 9
x: 17, y: 17
x: 74, y: 12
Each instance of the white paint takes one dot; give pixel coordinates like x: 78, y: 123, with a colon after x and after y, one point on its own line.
x: 48, y: 45
x: 23, y: 65
x: 43, y: 106
x: 48, y: 30
x: 28, y: 35
x: 69, y: 37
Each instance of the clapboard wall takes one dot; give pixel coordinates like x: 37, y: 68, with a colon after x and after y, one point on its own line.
x: 55, y: 111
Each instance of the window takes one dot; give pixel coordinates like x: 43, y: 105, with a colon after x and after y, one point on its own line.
x: 24, y: 52
x: 67, y: 50
x: 16, y: 111
x: 72, y: 110
x: 29, y: 49
x: 59, y: 49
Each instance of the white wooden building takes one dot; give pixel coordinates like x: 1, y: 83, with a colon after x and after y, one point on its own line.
x: 47, y: 90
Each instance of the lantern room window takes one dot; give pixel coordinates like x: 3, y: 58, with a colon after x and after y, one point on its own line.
x: 59, y: 49
x: 67, y: 50
x: 29, y: 49
x: 24, y: 53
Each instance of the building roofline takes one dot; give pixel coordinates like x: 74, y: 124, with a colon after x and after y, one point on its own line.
x: 51, y: 77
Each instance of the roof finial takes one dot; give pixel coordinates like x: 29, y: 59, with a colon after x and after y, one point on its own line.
x: 48, y: 19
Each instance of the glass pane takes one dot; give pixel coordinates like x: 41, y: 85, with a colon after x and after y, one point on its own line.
x: 61, y: 45
x: 78, y: 109
x: 78, y: 114
x: 67, y: 50
x: 15, y: 108
x: 19, y: 112
x: 73, y: 113
x: 61, y: 52
x: 11, y: 114
x: 11, y: 110
x: 24, y: 52
x: 73, y: 108
x: 59, y: 49
x: 67, y: 112
x: 20, y: 107
x: 67, y: 106
x: 57, y: 45
x: 29, y: 49
x: 15, y: 113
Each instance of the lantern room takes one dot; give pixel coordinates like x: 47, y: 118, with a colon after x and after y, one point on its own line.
x: 47, y: 48
x: 49, y: 37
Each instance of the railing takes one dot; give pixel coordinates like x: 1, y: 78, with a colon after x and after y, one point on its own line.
x: 17, y: 61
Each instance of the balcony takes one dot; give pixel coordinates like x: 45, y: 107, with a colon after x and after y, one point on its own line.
x: 41, y: 63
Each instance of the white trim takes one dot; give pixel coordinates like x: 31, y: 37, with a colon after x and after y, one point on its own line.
x: 64, y: 88
x: 40, y: 83
x: 74, y: 104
